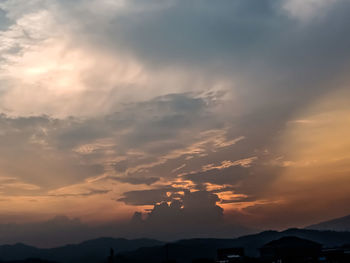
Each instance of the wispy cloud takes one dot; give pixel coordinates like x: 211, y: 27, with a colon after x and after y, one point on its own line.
x: 241, y: 102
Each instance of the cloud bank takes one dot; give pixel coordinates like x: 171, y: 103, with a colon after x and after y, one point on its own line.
x: 168, y: 107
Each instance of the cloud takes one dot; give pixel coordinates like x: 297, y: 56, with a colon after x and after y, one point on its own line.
x: 217, y: 45
x: 29, y: 153
x: 137, y: 180
x: 4, y: 21
x: 146, y: 197
x: 308, y: 9
x: 230, y: 175
x: 193, y: 206
x: 195, y: 214
x: 80, y: 147
x: 151, y: 98
x: 89, y: 193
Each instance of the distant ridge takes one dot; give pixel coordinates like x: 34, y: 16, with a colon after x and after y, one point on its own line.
x: 337, y: 224
x: 184, y: 251
x: 29, y: 260
x: 90, y: 251
x: 149, y: 250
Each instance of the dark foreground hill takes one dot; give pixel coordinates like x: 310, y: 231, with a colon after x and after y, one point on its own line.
x: 185, y: 251
x: 91, y: 251
x: 148, y: 250
x: 30, y: 260
x: 338, y: 224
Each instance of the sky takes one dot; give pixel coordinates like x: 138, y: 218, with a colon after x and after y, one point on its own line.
x: 172, y: 118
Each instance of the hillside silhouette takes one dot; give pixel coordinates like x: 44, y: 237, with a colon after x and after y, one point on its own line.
x: 149, y: 250
x: 337, y: 224
x: 187, y: 250
x: 90, y: 251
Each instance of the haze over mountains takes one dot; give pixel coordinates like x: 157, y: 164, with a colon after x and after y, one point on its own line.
x: 88, y: 251
x: 330, y: 234
x: 337, y: 224
x: 62, y: 230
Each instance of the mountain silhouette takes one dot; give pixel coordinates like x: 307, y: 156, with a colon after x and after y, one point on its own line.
x: 185, y: 251
x: 90, y: 251
x: 149, y: 250
x: 30, y: 260
x: 337, y: 224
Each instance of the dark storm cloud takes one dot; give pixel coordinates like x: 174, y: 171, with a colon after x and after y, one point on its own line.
x: 136, y: 179
x: 154, y: 126
x: 158, y: 119
x: 199, y: 31
x: 121, y: 166
x: 231, y: 175
x: 277, y: 62
x: 195, y: 214
x: 285, y: 62
x: 192, y: 207
x: 238, y: 200
x: 146, y: 197
x: 89, y: 193
x: 250, y: 30
x: 198, y: 199
x: 162, y: 118
x: 243, y: 33
x: 200, y: 196
x: 75, y: 132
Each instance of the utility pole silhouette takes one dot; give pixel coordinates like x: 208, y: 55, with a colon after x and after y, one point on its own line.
x: 111, y: 256
x: 166, y: 252
x: 167, y: 260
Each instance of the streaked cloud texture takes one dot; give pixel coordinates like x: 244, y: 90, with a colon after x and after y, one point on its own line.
x: 236, y: 111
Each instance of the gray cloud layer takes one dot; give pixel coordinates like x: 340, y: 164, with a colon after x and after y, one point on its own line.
x: 170, y: 92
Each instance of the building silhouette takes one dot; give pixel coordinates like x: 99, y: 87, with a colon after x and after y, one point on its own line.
x: 336, y: 255
x: 230, y: 255
x: 291, y: 250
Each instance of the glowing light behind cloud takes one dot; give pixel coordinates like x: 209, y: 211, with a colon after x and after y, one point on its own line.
x: 105, y: 98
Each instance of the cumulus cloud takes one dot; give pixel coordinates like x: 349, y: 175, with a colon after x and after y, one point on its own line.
x: 193, y: 214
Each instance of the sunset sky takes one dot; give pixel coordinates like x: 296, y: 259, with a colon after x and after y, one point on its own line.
x: 235, y: 112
